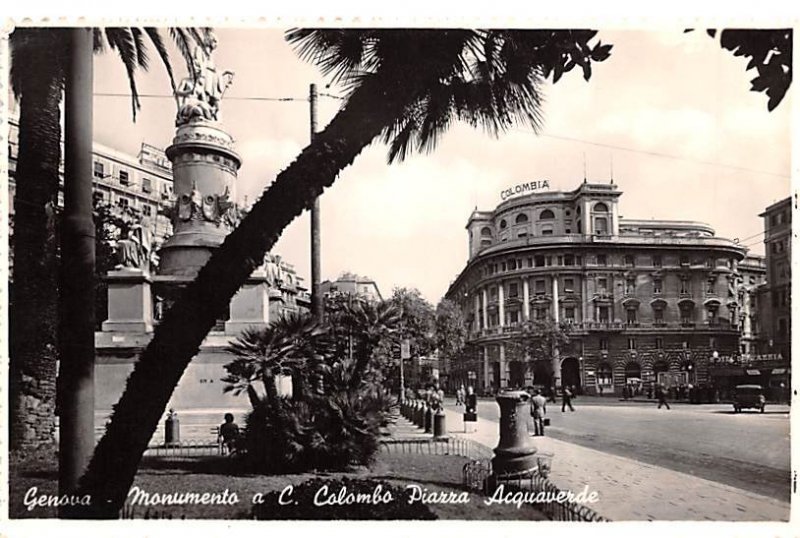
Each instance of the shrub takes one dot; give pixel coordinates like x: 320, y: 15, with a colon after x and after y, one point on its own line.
x: 324, y: 432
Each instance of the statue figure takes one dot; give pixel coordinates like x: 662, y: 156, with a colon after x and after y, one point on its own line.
x: 199, y: 95
x: 273, y: 270
x: 133, y: 252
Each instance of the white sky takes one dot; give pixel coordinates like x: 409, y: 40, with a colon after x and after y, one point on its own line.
x: 403, y: 225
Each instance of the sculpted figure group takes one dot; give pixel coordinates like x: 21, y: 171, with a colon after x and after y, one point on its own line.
x: 199, y: 95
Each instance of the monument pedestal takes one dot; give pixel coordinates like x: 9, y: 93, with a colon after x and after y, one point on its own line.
x: 130, y: 306
x: 250, y: 305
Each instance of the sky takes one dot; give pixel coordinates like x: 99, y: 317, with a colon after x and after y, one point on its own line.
x: 669, y: 112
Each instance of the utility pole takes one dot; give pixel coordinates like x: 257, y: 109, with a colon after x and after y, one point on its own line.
x: 316, y: 299
x: 76, y: 321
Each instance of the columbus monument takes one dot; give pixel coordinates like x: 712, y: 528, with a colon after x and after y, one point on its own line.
x: 204, y: 167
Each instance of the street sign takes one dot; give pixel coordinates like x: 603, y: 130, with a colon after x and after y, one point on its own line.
x: 405, y: 349
x: 471, y: 375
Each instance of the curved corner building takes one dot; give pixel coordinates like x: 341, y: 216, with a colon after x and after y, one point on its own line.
x: 646, y: 300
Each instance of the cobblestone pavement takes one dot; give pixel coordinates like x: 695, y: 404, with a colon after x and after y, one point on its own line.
x: 632, y: 490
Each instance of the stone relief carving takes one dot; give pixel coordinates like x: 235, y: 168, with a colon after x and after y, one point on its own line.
x: 216, y: 208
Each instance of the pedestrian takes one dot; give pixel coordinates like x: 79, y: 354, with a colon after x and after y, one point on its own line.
x: 471, y: 400
x: 460, y: 395
x: 566, y: 399
x: 552, y: 393
x: 538, y: 411
x: 661, y: 396
x: 600, y: 389
x: 229, y: 434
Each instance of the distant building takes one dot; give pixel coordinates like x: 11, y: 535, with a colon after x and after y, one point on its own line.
x: 775, y: 310
x: 646, y: 300
x: 753, y: 278
x: 143, y: 182
x: 352, y: 284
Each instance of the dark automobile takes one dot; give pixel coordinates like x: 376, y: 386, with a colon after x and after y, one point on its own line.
x: 749, y: 397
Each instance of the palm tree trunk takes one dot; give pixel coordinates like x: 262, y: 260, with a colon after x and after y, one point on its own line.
x: 34, y: 291
x: 177, y: 339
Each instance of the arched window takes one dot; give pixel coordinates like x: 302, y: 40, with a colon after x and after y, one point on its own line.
x: 600, y: 207
x: 546, y: 214
x: 521, y: 218
x: 486, y: 232
x: 503, y: 224
x: 633, y: 371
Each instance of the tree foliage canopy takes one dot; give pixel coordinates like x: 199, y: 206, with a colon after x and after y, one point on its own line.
x: 769, y: 52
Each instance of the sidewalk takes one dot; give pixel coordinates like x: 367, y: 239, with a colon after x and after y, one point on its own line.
x: 631, y: 490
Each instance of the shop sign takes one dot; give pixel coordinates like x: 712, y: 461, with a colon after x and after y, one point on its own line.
x: 753, y: 372
x: 776, y: 371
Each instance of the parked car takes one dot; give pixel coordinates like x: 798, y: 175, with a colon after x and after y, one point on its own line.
x: 749, y: 397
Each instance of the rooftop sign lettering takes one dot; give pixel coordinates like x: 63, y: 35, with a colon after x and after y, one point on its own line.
x: 525, y: 188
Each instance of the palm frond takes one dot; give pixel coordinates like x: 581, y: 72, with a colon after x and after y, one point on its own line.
x: 158, y: 43
x: 123, y: 41
x: 184, y: 41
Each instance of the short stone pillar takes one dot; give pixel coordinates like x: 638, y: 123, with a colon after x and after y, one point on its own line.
x: 130, y: 303
x: 250, y: 305
x: 515, y: 453
x: 428, y: 419
x: 439, y: 425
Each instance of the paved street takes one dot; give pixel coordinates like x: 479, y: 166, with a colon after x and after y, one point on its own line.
x: 627, y: 487
x: 749, y: 451
x: 745, y: 450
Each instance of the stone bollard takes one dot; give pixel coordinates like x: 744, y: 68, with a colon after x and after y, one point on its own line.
x: 439, y: 425
x: 172, y: 429
x: 515, y: 453
x: 428, y: 419
x: 419, y: 421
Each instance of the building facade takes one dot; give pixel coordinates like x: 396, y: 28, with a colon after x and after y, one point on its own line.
x: 642, y: 301
x: 352, y: 284
x: 143, y: 183
x: 764, y: 356
x: 776, y: 301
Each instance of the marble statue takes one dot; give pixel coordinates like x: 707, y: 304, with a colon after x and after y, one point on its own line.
x: 199, y: 95
x: 133, y: 252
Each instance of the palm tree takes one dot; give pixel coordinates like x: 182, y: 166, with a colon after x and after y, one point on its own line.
x: 290, y: 345
x: 407, y: 86
x: 370, y: 323
x: 38, y: 70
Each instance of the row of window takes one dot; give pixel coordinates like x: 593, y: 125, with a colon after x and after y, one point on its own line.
x: 125, y: 179
x: 601, y: 260
x: 568, y: 286
x: 546, y: 214
x: 125, y: 202
x: 603, y: 315
x: 780, y: 246
x: 658, y: 343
